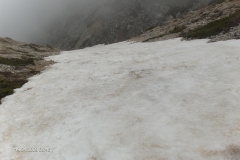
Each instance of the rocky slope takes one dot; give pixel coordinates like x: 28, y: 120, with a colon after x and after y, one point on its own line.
x: 116, y: 21
x: 216, y: 22
x: 19, y: 61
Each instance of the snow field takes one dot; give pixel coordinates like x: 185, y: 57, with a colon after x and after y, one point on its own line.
x: 168, y: 100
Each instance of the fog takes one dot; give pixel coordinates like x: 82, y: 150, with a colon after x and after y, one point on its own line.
x: 27, y: 20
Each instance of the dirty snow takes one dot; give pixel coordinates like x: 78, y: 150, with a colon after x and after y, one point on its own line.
x: 168, y: 100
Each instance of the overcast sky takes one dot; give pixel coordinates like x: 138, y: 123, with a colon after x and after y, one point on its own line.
x: 26, y: 20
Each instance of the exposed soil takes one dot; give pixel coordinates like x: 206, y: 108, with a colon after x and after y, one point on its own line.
x: 19, y: 61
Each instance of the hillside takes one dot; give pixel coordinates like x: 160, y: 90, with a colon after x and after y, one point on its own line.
x: 116, y: 21
x: 19, y: 61
x: 215, y: 22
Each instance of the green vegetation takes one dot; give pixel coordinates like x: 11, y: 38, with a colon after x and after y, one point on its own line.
x: 7, y: 86
x: 16, y: 62
x: 215, y: 27
x: 178, y: 29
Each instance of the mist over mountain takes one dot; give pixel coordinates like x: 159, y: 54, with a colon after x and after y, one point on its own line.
x: 115, y: 21
x: 28, y: 20
x: 76, y: 24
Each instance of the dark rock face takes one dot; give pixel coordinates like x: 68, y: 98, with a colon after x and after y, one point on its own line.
x: 117, y: 21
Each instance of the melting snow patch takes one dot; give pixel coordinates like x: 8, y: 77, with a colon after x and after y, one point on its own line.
x: 168, y: 100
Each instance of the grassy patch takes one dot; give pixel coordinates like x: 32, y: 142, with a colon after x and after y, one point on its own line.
x: 15, y: 50
x: 16, y: 62
x: 215, y: 27
x: 7, y: 86
x: 178, y: 29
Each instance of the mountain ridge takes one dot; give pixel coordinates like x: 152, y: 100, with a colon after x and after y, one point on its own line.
x: 195, y: 20
x: 117, y: 21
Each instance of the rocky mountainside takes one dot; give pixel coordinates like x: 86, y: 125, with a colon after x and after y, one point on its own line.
x: 216, y: 22
x: 19, y: 61
x: 116, y: 21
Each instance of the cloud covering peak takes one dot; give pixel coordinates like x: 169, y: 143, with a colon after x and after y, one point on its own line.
x: 26, y: 20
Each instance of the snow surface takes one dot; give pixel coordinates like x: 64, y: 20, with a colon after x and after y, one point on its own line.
x: 167, y: 100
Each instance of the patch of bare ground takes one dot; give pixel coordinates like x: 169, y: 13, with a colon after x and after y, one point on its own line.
x: 19, y: 61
